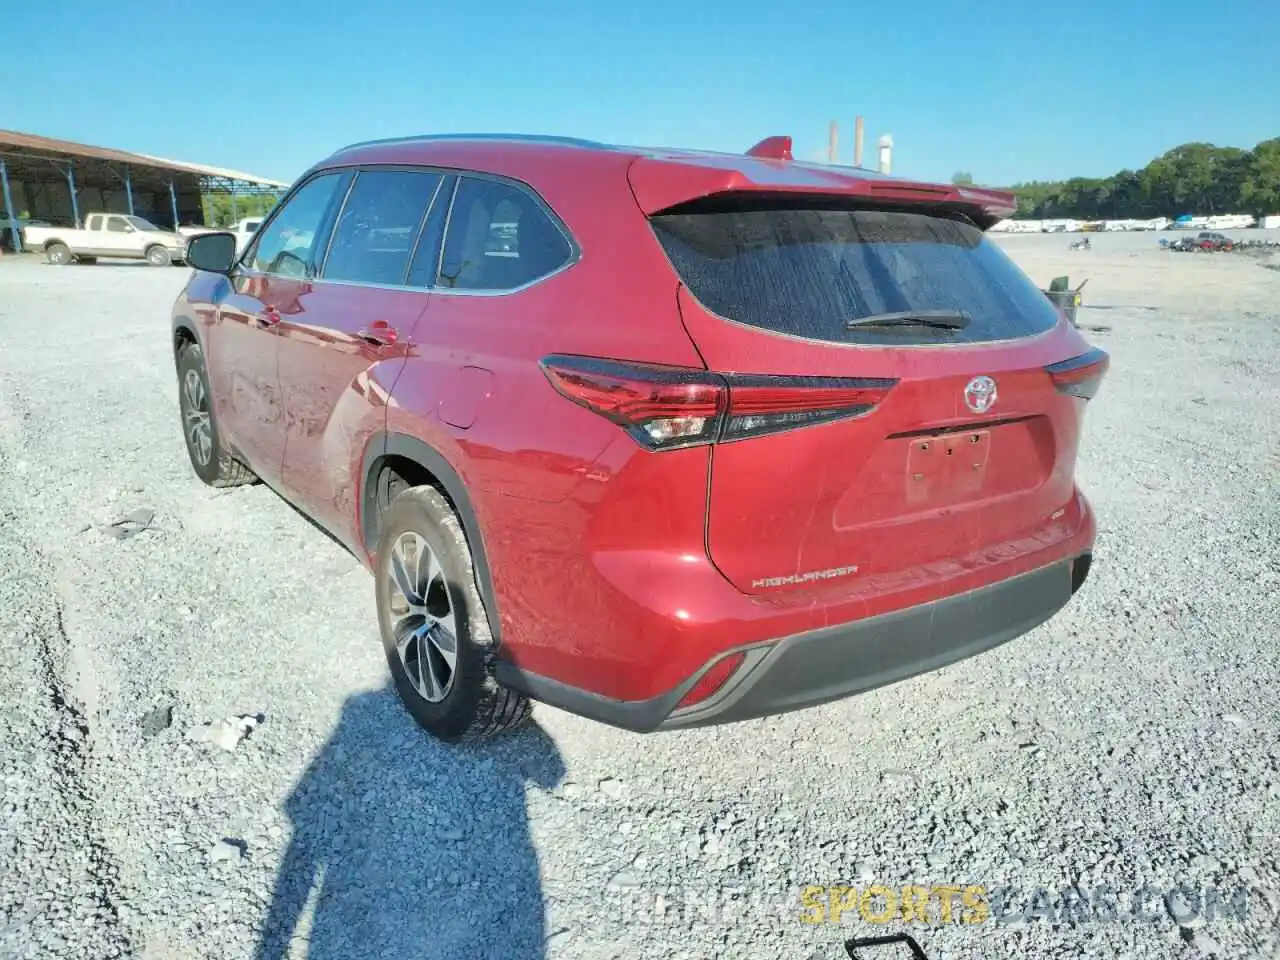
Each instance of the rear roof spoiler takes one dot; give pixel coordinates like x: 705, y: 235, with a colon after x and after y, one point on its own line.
x: 661, y: 180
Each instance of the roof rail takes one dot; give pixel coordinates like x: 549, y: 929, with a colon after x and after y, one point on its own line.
x: 516, y: 137
x: 772, y: 148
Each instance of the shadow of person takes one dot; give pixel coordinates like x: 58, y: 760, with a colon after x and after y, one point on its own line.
x: 404, y: 846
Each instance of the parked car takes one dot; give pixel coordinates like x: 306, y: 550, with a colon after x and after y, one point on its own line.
x: 702, y: 437
x: 115, y: 235
x: 1208, y: 240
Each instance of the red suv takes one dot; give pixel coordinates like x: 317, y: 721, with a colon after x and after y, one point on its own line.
x: 661, y: 437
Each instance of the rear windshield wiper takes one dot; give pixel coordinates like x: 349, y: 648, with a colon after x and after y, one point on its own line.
x: 942, y: 319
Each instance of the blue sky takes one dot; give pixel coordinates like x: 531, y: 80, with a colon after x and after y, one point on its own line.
x: 1008, y: 91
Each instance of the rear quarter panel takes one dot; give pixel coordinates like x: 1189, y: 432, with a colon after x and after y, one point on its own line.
x: 527, y: 449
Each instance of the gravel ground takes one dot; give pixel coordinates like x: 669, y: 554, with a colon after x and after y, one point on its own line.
x: 1132, y: 742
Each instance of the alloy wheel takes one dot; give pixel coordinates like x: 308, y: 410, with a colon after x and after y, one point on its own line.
x: 423, y: 621
x: 196, y: 417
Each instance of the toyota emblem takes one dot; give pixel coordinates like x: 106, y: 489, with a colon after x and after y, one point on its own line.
x: 980, y: 394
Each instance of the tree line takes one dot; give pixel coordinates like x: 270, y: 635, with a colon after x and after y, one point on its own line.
x: 1196, y: 178
x: 220, y: 212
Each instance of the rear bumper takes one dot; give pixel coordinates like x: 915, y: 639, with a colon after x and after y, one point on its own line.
x: 831, y: 663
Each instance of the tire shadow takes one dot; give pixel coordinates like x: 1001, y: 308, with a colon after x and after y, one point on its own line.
x: 406, y: 847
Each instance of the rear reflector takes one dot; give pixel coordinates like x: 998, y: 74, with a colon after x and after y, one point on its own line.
x: 663, y: 407
x: 1080, y: 376
x: 712, y: 680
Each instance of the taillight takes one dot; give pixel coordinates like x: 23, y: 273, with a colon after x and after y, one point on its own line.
x: 759, y: 404
x: 664, y: 407
x: 1080, y: 376
x: 661, y: 407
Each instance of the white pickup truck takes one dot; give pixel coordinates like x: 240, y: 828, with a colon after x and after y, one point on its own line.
x: 114, y: 235
x: 244, y: 231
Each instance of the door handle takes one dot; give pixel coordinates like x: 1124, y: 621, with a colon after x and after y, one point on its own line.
x: 379, y: 332
x: 269, y: 316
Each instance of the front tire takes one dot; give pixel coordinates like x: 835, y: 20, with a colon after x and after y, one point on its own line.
x: 211, y: 462
x: 435, y: 632
x: 158, y: 256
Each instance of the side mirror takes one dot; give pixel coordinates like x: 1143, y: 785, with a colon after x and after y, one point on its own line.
x: 214, y: 252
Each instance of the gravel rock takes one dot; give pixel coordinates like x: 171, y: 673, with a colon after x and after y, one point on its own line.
x: 226, y: 733
x: 1201, y: 942
x: 156, y: 721
x: 226, y: 851
x: 612, y: 788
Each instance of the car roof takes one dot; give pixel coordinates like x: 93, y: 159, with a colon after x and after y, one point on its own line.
x: 494, y: 145
x: 665, y: 177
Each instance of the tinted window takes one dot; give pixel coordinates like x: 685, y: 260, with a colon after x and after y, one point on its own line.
x: 115, y: 225
x: 808, y: 272
x: 286, y: 246
x: 499, y: 238
x: 426, y: 258
x: 95, y: 223
x: 379, y: 226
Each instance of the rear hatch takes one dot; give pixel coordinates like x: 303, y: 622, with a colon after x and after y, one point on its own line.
x: 894, y: 406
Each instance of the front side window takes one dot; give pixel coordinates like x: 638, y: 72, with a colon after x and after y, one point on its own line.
x: 140, y: 224
x: 287, y: 246
x: 116, y: 225
x: 379, y: 226
x: 499, y: 238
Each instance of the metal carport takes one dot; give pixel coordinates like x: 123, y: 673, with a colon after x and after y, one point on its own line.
x: 55, y: 180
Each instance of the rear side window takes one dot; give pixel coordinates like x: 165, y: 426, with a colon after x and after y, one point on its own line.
x: 379, y: 226
x: 809, y: 272
x: 499, y: 238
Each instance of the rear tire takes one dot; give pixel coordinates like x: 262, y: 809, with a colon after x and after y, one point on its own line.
x: 210, y: 460
x: 432, y: 612
x: 158, y: 256
x: 59, y: 254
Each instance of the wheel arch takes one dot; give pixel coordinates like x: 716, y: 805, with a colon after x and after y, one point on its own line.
x: 396, y: 456
x: 184, y: 334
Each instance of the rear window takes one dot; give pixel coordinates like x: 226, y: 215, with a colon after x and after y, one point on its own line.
x: 809, y: 272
